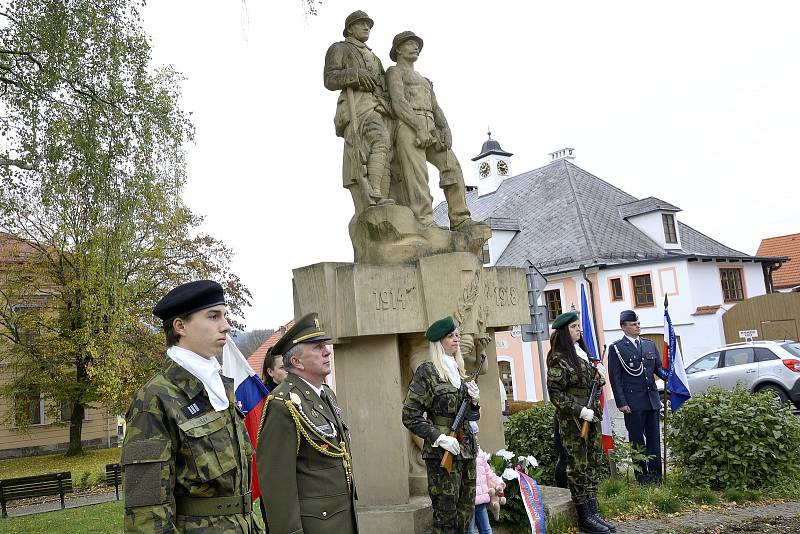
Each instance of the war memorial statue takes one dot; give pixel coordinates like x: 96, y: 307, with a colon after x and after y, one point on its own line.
x: 407, y: 272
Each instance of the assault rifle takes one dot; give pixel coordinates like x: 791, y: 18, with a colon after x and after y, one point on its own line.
x: 593, y: 395
x: 458, y: 421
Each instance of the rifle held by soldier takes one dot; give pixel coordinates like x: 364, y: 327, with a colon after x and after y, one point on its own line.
x: 593, y: 395
x: 458, y: 421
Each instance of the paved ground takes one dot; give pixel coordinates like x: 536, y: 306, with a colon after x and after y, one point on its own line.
x: 71, y: 501
x: 708, y: 522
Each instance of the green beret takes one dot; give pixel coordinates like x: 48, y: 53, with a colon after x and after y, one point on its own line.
x: 440, y: 328
x: 564, y: 319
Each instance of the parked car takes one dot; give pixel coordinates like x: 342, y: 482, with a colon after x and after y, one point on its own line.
x: 772, y: 366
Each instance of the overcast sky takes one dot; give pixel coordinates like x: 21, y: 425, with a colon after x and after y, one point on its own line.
x: 693, y: 102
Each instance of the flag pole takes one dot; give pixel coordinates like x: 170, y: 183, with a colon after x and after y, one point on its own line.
x: 664, y: 395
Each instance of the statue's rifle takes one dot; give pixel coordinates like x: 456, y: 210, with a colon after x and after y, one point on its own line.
x: 354, y: 139
x: 458, y: 421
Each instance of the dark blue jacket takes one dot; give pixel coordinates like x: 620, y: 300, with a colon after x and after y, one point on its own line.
x: 638, y: 392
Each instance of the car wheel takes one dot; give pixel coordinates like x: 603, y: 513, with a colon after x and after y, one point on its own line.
x: 777, y: 393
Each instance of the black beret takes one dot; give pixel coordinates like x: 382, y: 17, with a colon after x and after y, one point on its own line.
x: 565, y: 319
x: 628, y: 315
x: 440, y: 328
x: 189, y: 298
x: 305, y: 330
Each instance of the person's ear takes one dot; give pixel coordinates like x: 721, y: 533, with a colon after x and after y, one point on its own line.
x: 179, y: 326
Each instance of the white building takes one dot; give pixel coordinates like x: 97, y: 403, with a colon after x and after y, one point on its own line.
x: 577, y: 228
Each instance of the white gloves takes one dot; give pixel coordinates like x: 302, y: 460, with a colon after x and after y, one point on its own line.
x: 447, y: 443
x: 602, y: 370
x: 587, y: 414
x: 473, y: 392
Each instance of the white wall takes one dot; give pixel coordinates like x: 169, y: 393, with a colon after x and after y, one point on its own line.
x: 498, y: 243
x: 652, y: 224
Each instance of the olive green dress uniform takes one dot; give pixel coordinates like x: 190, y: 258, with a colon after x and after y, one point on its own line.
x: 304, y: 462
x: 187, y: 466
x: 569, y: 389
x: 453, y: 495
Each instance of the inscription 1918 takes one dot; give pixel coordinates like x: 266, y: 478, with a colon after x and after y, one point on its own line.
x: 501, y: 295
x: 392, y: 299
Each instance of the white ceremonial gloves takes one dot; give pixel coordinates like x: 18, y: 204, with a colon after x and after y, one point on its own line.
x: 602, y: 370
x: 587, y: 414
x: 448, y: 443
x: 473, y: 392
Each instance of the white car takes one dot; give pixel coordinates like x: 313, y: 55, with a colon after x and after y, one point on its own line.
x: 772, y: 366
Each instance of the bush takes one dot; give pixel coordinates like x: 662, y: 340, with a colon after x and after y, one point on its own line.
x: 531, y: 432
x: 734, y: 439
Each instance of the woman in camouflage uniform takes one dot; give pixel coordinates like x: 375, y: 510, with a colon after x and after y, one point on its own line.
x: 436, y: 390
x: 569, y: 382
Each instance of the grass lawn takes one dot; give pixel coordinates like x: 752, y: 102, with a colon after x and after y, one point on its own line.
x: 98, y: 518
x: 87, y: 469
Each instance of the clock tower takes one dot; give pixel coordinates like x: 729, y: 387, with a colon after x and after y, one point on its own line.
x: 492, y: 166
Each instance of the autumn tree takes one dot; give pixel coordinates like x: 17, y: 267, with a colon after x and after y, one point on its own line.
x: 93, y: 166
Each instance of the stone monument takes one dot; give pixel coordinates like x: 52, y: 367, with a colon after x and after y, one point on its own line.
x: 408, y: 272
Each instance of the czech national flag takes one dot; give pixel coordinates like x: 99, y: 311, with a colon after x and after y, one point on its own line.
x: 677, y: 384
x: 250, y: 394
x: 588, y: 338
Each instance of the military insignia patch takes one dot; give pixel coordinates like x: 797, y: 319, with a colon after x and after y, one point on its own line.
x: 295, y: 398
x: 195, y: 408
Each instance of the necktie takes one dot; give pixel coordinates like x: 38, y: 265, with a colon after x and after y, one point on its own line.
x: 637, y: 346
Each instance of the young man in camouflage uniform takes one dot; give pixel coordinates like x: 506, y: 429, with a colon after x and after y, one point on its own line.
x: 428, y: 411
x: 186, y: 453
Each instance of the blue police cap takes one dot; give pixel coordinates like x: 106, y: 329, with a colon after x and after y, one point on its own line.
x: 628, y: 315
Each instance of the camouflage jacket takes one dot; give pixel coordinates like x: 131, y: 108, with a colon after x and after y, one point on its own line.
x: 569, y: 388
x: 177, y: 447
x: 440, y: 400
x: 303, y: 462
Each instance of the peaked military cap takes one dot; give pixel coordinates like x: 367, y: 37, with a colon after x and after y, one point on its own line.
x: 565, y: 319
x: 354, y: 17
x: 306, y: 329
x: 628, y: 315
x: 189, y: 298
x: 401, y: 38
x: 440, y: 328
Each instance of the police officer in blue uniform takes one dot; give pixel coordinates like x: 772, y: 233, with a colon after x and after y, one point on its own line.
x: 632, y: 364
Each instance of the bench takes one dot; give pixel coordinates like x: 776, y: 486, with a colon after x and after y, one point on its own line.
x: 37, y: 486
x: 114, y: 476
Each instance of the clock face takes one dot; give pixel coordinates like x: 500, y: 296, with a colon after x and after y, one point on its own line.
x: 483, y: 170
x: 502, y: 168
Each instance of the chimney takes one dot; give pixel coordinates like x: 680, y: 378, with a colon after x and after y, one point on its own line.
x: 564, y: 153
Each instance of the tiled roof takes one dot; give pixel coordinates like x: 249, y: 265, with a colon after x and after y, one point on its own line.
x: 568, y: 217
x: 646, y: 205
x: 788, y: 274
x: 14, y: 249
x: 256, y: 360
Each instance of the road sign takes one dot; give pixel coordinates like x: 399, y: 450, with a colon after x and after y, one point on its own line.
x: 748, y: 335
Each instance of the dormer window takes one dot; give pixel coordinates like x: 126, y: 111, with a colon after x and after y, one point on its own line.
x: 670, y: 235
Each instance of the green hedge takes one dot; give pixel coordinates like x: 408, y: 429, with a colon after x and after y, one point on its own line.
x: 734, y: 439
x: 531, y: 432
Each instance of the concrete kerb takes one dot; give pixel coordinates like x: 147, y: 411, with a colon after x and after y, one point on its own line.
x: 77, y: 500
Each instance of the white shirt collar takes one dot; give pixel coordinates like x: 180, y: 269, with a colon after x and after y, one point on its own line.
x: 632, y: 339
x: 317, y: 390
x: 206, y: 370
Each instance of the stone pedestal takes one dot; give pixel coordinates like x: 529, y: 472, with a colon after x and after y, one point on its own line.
x: 376, y: 316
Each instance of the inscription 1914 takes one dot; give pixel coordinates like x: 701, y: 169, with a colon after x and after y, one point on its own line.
x: 392, y: 299
x: 501, y: 295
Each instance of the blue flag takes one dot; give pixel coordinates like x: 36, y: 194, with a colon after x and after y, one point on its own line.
x: 586, y: 326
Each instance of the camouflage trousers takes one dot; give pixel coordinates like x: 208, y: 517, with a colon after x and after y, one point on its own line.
x: 452, y: 495
x: 584, y: 458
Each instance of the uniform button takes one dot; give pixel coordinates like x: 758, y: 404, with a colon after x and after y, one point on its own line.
x: 324, y: 514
